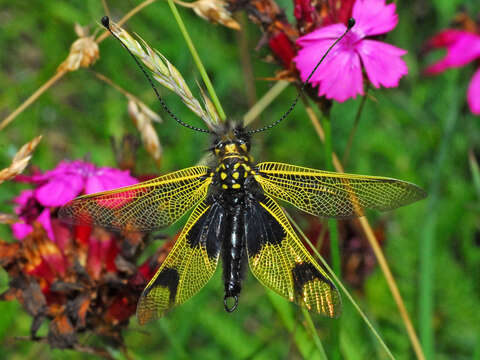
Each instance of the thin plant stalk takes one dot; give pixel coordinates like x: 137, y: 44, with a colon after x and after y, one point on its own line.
x: 264, y: 102
x: 32, y: 98
x: 348, y: 148
x: 343, y: 288
x: 105, y: 8
x: 245, y: 58
x: 125, y: 18
x: 367, y: 229
x: 427, y: 244
x: 475, y: 170
x: 316, y: 339
x: 116, y: 86
x: 333, y: 228
x: 332, y: 224
x: 197, y: 60
x: 300, y: 336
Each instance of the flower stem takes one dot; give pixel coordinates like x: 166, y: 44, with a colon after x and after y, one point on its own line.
x: 311, y: 327
x: 300, y: 336
x: 332, y: 224
x: 197, y: 60
x: 427, y: 244
x: 264, y: 101
x: 346, y: 155
x: 332, y: 228
x: 32, y: 98
x: 344, y: 289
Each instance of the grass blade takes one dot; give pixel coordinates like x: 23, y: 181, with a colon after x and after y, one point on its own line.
x: 196, y: 59
x: 344, y: 289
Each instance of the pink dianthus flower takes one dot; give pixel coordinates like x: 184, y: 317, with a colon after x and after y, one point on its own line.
x: 462, y: 48
x: 57, y: 187
x: 340, y: 76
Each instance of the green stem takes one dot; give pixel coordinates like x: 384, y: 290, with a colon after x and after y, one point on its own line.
x: 332, y: 227
x: 311, y: 327
x: 332, y: 224
x: 197, y: 60
x: 343, y: 288
x: 264, y: 102
x: 302, y: 339
x: 355, y: 126
x: 427, y: 244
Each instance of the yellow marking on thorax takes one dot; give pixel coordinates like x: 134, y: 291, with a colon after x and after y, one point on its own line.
x: 231, y: 148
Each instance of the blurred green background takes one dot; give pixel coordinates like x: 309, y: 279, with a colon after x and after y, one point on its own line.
x: 420, y: 132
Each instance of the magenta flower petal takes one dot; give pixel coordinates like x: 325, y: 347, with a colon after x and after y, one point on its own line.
x: 108, y: 179
x: 382, y: 62
x: 60, y: 190
x: 341, y: 79
x: 473, y: 95
x: 44, y: 219
x: 444, y: 38
x: 22, y: 199
x: 309, y: 56
x: 462, y: 47
x: 331, y: 32
x: 374, y: 17
x: 21, y: 230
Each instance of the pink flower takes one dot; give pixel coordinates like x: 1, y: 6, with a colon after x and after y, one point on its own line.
x: 57, y: 187
x: 462, y: 48
x: 340, y: 77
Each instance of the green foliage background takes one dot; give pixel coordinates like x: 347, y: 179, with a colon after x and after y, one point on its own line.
x: 401, y: 134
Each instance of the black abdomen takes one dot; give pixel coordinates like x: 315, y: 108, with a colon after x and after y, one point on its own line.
x: 234, y: 254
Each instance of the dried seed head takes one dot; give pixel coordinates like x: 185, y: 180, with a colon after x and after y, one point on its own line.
x: 142, y: 116
x: 20, y: 160
x: 83, y: 52
x: 163, y: 72
x: 214, y: 11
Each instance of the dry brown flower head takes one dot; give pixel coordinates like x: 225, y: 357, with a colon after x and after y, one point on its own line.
x: 83, y: 52
x: 20, y: 160
x: 142, y: 116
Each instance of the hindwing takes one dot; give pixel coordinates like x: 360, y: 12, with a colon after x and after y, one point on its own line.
x: 146, y: 206
x: 188, y: 266
x: 329, y: 194
x: 279, y: 260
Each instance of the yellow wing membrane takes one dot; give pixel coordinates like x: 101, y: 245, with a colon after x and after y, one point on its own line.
x: 142, y: 207
x: 188, y: 266
x: 330, y: 194
x: 279, y: 260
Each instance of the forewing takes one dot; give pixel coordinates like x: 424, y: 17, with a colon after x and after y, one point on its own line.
x: 331, y: 194
x: 279, y: 260
x: 142, y: 207
x: 188, y: 266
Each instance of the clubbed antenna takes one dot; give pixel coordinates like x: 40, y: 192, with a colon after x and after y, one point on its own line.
x: 106, y: 24
x: 351, y: 23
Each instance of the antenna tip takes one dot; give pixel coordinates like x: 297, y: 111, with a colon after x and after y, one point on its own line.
x: 106, y: 22
x: 351, y: 23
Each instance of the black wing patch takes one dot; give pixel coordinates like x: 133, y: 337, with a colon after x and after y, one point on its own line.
x: 279, y: 260
x: 188, y: 266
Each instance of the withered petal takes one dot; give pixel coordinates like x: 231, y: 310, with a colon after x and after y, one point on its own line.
x: 61, y: 333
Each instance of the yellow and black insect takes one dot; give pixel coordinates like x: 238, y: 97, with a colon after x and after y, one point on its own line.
x: 236, y: 218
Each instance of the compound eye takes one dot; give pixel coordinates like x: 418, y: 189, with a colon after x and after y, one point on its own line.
x: 219, y: 148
